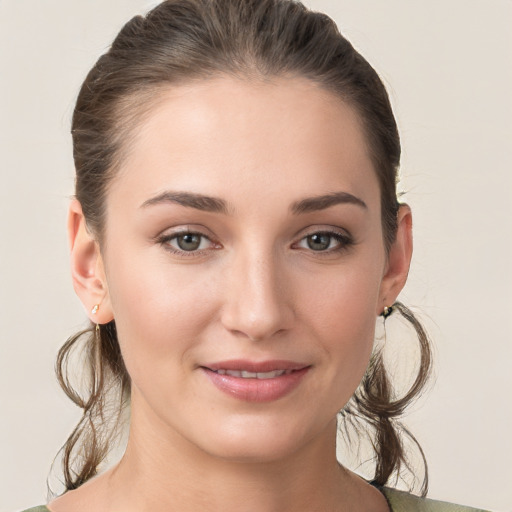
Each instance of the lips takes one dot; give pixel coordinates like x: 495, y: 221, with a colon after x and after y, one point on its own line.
x: 256, y: 381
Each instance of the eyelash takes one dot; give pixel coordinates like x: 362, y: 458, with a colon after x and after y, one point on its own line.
x: 165, y: 240
x: 344, y: 241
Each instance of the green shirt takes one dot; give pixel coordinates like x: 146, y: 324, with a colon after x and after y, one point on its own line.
x: 398, y: 502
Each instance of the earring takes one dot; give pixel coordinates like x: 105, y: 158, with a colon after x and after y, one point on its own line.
x: 97, y: 333
x: 388, y: 310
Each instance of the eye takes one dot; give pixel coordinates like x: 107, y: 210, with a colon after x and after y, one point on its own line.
x: 186, y: 242
x: 189, y: 241
x: 325, y: 241
x: 319, y: 241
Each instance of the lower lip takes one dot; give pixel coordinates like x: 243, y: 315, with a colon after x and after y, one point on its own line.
x: 257, y: 390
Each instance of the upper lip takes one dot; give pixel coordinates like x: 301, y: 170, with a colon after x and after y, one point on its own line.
x: 255, y: 366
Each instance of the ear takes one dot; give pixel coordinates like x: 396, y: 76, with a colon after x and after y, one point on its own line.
x: 87, y: 269
x: 399, y: 260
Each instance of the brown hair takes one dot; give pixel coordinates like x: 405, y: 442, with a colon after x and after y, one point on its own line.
x: 184, y: 40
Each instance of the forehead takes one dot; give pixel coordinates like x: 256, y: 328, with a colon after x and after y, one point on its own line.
x: 276, y: 138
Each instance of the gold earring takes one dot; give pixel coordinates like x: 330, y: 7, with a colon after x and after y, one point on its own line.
x: 95, y: 308
x: 388, y: 310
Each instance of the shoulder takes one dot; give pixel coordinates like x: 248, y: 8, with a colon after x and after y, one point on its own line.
x: 400, y: 501
x: 40, y: 508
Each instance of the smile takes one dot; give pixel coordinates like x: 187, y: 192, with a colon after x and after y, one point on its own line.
x: 253, y: 375
x: 257, y: 382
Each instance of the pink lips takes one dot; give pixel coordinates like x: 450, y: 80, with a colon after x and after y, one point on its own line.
x: 256, y: 381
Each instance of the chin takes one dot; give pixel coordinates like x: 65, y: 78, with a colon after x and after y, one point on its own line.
x: 256, y: 441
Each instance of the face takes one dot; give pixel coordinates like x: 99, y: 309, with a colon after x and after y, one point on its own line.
x: 244, y: 265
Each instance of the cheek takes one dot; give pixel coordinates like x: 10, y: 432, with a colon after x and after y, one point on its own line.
x: 159, y: 309
x: 343, y: 300
x: 341, y: 310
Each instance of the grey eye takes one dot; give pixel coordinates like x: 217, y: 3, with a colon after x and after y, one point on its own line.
x: 189, y: 241
x: 319, y: 241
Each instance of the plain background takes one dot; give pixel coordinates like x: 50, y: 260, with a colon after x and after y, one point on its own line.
x: 448, y: 67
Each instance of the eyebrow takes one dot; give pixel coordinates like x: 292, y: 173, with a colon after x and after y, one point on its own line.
x: 312, y: 204
x: 190, y: 200
x: 217, y: 205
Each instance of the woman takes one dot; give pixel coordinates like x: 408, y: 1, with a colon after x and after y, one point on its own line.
x: 235, y: 235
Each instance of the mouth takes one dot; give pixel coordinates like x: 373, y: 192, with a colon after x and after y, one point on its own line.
x: 256, y: 381
x: 244, y: 374
x: 246, y: 369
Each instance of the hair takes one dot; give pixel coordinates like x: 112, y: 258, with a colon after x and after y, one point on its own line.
x: 180, y: 41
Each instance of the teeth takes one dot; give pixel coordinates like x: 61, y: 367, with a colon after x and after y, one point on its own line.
x: 254, y: 375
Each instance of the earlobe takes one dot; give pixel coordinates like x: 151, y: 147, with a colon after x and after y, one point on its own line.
x: 87, y: 269
x: 399, y: 260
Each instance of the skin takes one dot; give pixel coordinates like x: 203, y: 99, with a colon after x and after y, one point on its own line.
x: 255, y: 290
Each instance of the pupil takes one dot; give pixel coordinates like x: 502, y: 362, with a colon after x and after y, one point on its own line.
x: 319, y: 242
x: 189, y: 242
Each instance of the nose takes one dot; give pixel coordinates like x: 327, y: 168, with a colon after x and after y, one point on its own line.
x: 257, y: 300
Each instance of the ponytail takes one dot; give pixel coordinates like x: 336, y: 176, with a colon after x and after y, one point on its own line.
x: 374, y: 404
